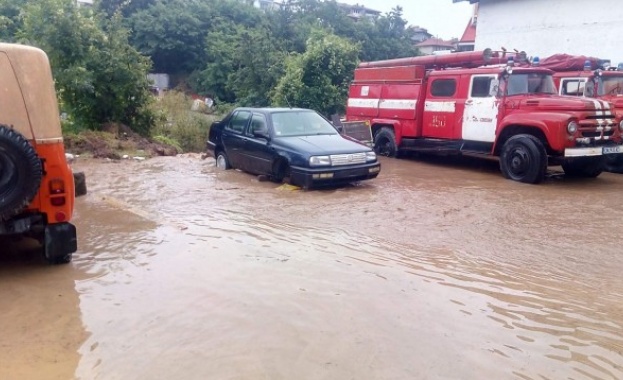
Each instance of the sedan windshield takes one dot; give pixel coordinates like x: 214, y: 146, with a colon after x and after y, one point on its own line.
x: 300, y: 123
x: 533, y: 83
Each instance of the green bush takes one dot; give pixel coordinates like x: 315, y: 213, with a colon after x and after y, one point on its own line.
x: 179, y: 125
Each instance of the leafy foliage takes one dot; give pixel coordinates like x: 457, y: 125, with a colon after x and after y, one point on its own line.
x: 319, y: 78
x: 126, y: 7
x: 99, y: 76
x: 10, y: 21
x: 304, y: 51
x: 171, y: 33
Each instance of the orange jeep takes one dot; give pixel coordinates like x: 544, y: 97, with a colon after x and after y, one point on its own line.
x: 36, y: 182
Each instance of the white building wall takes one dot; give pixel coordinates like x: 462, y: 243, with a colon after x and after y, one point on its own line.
x: 546, y: 27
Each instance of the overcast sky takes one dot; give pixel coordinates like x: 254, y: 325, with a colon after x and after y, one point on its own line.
x: 442, y: 18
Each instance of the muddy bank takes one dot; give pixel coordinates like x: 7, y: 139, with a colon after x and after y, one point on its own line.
x: 433, y: 270
x: 117, y: 142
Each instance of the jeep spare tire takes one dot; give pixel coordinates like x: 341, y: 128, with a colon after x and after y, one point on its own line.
x: 20, y: 172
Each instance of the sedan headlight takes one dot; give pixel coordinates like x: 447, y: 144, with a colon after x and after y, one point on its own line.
x: 621, y: 126
x: 370, y: 156
x: 319, y: 161
x: 572, y: 127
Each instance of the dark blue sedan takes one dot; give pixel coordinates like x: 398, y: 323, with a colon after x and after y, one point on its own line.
x: 290, y: 143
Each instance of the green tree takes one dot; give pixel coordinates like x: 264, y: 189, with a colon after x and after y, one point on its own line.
x: 10, y: 21
x: 172, y: 33
x: 260, y: 68
x: 243, y: 59
x: 126, y: 7
x: 99, y: 76
x: 222, y: 46
x: 389, y: 38
x: 319, y: 78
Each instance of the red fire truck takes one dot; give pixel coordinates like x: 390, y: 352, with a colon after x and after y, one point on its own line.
x: 472, y: 103
x: 592, y: 78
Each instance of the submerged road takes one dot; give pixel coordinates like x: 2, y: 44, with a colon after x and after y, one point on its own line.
x: 434, y: 270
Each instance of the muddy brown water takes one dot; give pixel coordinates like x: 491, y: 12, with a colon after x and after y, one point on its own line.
x: 435, y: 270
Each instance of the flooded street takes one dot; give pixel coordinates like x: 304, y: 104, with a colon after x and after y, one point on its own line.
x: 434, y: 270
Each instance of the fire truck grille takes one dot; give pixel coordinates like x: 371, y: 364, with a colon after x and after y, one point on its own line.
x: 597, y: 133
x: 598, y: 127
x: 604, y: 116
x: 348, y: 159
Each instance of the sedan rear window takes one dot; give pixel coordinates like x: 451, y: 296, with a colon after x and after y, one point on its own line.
x: 301, y: 123
x: 238, y: 121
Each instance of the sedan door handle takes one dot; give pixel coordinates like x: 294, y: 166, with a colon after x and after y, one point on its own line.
x: 468, y: 102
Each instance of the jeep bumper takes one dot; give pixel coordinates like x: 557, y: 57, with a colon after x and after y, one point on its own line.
x: 60, y: 240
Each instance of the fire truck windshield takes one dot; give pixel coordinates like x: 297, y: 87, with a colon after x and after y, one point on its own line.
x: 610, y: 86
x: 531, y: 83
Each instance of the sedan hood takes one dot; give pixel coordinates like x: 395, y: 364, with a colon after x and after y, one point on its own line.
x: 321, y: 144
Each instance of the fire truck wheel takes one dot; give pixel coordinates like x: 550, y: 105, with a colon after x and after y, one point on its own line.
x: 20, y: 172
x: 385, y: 142
x: 523, y: 159
x: 589, y: 167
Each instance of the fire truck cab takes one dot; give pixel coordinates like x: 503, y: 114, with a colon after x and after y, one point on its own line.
x: 473, y: 103
x: 591, y: 78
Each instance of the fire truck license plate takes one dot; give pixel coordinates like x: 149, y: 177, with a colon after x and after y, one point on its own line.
x: 613, y: 149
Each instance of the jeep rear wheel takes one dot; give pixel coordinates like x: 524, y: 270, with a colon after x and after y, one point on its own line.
x: 589, y: 167
x: 20, y: 172
x: 523, y: 159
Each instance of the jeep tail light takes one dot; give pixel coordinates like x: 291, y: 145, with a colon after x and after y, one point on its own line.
x: 57, y: 186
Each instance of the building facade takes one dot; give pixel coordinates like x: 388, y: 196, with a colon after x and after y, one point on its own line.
x: 267, y: 5
x: 419, y: 34
x: 358, y: 12
x: 435, y: 46
x: 546, y: 27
